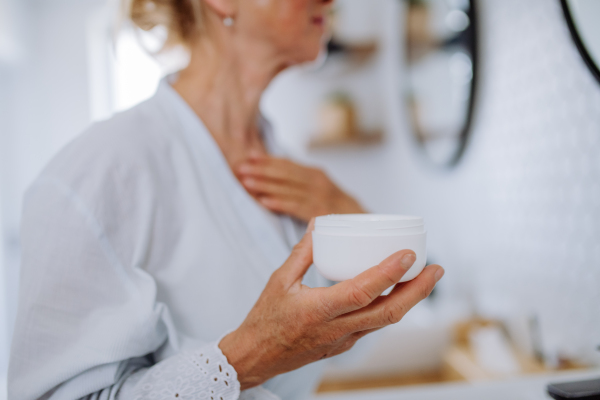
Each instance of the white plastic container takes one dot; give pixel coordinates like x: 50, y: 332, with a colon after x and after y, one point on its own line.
x: 373, y: 221
x: 345, y: 245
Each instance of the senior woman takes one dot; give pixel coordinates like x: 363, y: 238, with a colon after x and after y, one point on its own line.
x: 148, y: 239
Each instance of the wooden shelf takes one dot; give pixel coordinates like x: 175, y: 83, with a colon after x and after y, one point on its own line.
x: 357, y: 51
x: 398, y: 380
x: 359, y: 140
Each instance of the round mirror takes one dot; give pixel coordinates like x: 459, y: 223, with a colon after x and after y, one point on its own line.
x: 583, y: 18
x: 441, y: 57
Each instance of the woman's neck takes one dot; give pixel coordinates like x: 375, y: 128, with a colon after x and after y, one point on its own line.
x: 223, y: 84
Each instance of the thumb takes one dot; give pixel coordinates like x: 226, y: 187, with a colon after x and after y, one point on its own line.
x: 311, y: 226
x: 295, y: 267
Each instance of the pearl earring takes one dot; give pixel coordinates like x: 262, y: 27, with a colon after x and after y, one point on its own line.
x: 228, y: 21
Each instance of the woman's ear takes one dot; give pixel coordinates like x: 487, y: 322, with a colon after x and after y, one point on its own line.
x: 222, y: 8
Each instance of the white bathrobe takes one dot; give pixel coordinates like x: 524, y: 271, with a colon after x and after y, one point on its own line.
x: 140, y: 250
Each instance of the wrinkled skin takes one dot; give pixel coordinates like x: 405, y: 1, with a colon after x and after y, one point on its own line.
x: 293, y: 29
x: 292, y: 325
x: 289, y: 188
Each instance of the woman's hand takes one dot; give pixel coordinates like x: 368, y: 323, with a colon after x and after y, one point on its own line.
x: 292, y: 325
x: 288, y: 188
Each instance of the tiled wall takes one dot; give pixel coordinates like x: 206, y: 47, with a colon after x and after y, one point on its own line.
x: 542, y: 133
x: 518, y: 222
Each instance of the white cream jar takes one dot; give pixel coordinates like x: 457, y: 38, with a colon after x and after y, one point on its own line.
x: 344, y: 245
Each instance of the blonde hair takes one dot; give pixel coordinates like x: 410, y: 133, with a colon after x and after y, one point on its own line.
x: 182, y: 19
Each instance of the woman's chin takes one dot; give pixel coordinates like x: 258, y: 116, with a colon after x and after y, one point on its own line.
x: 311, y: 54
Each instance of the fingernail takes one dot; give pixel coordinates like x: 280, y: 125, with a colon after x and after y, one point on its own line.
x: 438, y: 275
x: 248, y: 182
x: 244, y: 168
x: 408, y: 260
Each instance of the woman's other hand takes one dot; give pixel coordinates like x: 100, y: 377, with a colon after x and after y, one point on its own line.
x: 292, y: 325
x: 288, y: 188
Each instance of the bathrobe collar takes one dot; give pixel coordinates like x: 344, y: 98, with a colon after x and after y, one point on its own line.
x: 233, y: 204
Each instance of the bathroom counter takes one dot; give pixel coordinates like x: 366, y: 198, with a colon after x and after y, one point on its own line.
x: 532, y: 387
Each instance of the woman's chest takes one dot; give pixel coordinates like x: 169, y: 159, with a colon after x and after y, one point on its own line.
x: 212, y: 248
x: 213, y: 275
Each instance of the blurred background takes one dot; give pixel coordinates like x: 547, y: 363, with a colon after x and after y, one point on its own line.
x: 482, y: 116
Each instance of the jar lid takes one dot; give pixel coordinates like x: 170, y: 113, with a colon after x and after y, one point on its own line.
x: 368, y: 221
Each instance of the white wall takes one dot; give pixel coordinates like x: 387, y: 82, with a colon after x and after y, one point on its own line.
x: 4, y: 340
x: 8, y: 61
x: 516, y: 222
x: 44, y: 103
x: 531, y: 176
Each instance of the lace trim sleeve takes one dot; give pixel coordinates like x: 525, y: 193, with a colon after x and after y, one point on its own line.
x: 202, y: 374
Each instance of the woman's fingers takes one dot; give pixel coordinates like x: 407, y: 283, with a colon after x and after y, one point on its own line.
x: 275, y: 169
x: 311, y: 226
x: 271, y: 188
x: 263, y: 171
x: 390, y: 309
x: 293, y: 189
x: 360, y: 334
x: 359, y: 292
x: 289, y: 206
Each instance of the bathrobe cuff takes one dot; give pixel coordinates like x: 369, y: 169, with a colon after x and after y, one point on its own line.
x: 200, y: 374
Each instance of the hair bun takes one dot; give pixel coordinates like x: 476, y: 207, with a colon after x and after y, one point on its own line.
x: 181, y: 18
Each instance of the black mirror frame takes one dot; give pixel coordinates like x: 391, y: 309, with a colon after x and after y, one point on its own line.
x: 466, y: 130
x: 578, y: 42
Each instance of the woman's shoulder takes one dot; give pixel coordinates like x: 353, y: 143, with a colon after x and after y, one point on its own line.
x: 123, y: 150
x: 131, y: 135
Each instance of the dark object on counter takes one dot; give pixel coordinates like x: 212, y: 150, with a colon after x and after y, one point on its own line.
x: 583, y: 390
